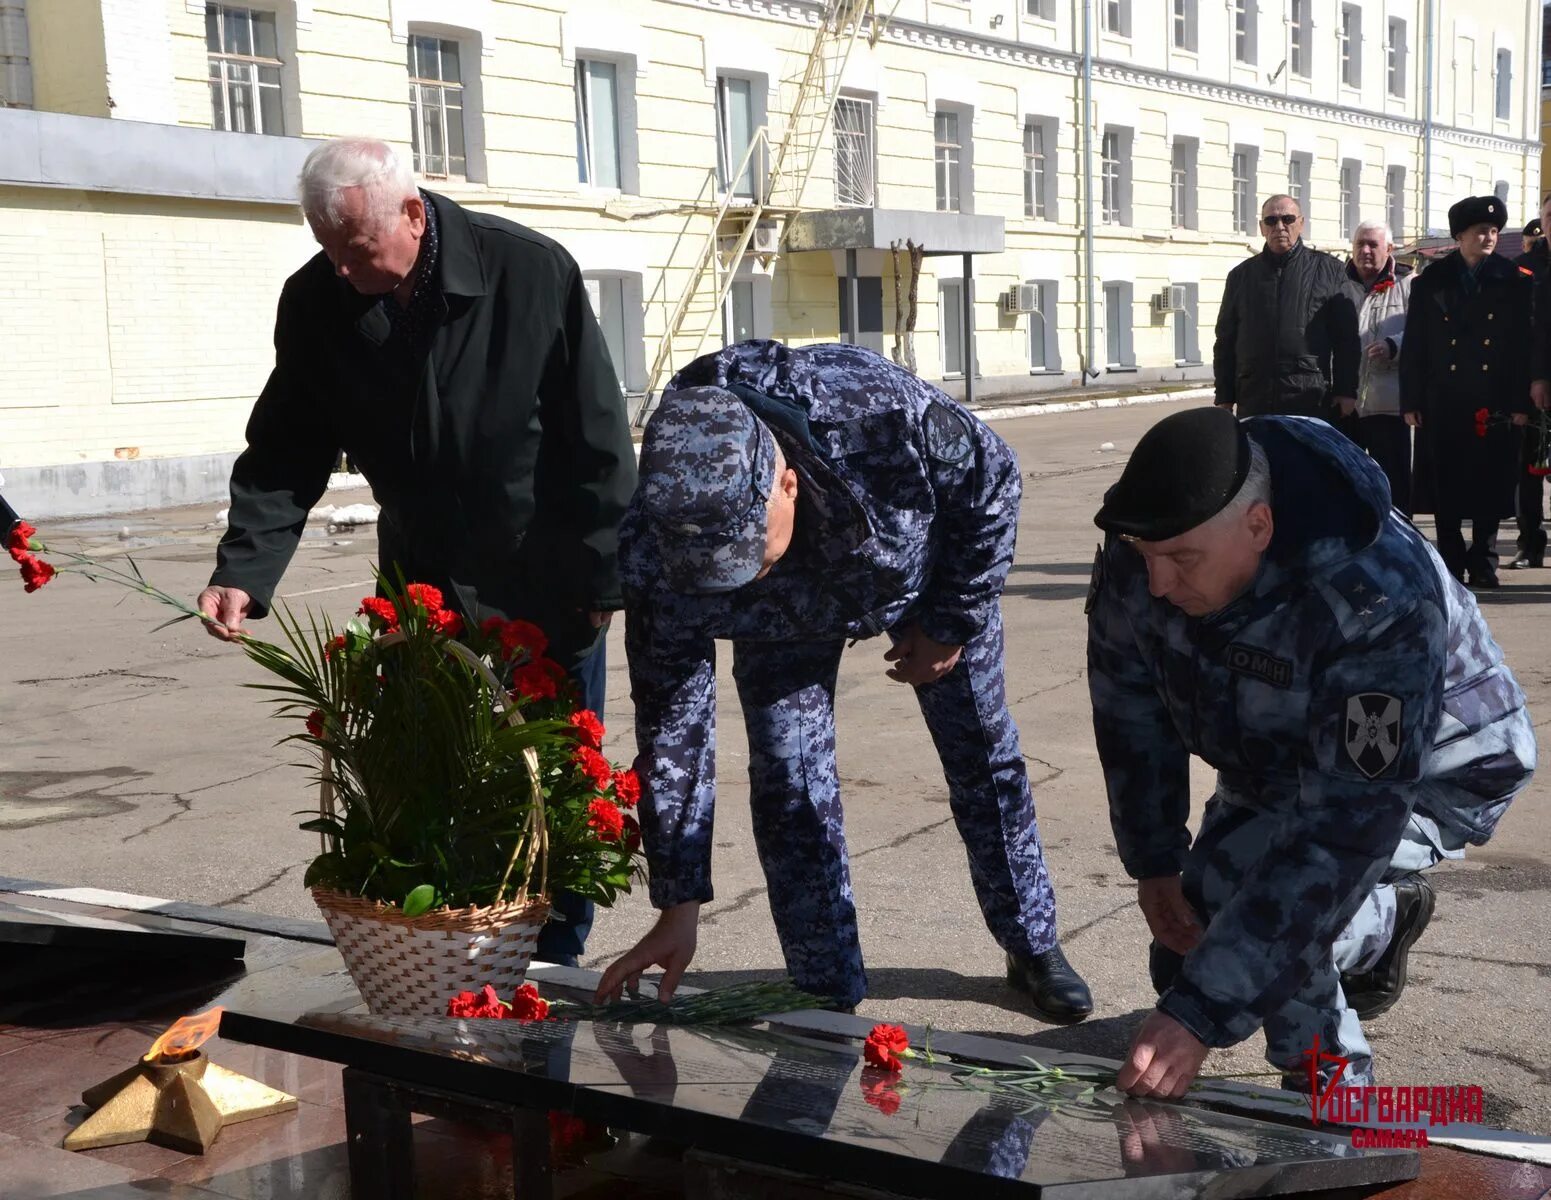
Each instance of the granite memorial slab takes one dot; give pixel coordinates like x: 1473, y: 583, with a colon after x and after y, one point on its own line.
x: 27, y: 923
x: 811, y: 1105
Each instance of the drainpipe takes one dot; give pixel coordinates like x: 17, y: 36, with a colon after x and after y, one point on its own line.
x: 1088, y: 371
x: 1427, y: 120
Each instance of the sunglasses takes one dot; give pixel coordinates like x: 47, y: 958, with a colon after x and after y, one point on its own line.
x: 1280, y: 219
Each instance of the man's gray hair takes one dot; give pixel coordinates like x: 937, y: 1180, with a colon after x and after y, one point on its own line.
x: 1256, y: 488
x: 1374, y: 227
x: 355, y: 162
x: 1270, y: 200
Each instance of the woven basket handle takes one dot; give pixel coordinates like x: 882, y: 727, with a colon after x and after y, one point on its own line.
x: 533, y: 844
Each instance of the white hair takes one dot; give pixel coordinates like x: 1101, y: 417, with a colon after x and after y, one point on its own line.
x: 1371, y: 227
x: 1256, y: 488
x: 355, y: 162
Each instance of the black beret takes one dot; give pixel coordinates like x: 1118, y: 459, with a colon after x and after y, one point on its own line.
x: 1183, y: 472
x: 1477, y: 210
x: 1533, y: 228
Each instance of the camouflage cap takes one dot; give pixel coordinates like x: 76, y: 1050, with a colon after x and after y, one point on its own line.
x: 707, y: 467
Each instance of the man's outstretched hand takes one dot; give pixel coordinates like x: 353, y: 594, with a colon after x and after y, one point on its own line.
x: 670, y: 945
x: 1164, y: 1059
x: 1170, y: 918
x: 227, y: 608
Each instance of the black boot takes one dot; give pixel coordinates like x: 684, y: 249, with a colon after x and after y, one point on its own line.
x: 1376, y: 990
x: 1058, y: 992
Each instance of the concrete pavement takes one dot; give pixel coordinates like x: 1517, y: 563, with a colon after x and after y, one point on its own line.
x: 133, y: 760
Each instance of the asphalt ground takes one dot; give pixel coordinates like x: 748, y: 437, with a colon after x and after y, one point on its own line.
x: 134, y: 760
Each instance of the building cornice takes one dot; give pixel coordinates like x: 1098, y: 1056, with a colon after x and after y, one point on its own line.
x: 919, y: 35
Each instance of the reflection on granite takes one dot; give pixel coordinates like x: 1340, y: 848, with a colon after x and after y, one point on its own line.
x: 777, y: 1098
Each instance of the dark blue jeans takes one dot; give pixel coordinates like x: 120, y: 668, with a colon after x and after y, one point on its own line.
x: 565, y: 935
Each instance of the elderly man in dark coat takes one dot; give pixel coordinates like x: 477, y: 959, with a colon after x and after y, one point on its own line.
x: 1287, y: 340
x: 454, y: 357
x: 1464, y: 384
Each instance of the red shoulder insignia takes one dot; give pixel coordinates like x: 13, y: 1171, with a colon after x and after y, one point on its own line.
x: 1525, y: 271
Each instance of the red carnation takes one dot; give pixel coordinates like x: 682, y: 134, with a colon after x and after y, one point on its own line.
x: 35, y: 572
x: 1383, y: 285
x: 884, y: 1047
x: 538, y: 680
x: 604, y: 817
x: 423, y: 594
x: 589, y: 729
x: 518, y: 638
x: 594, y: 766
x: 378, y: 608
x: 528, y: 1005
x: 446, y: 622
x: 627, y: 787
x: 483, y: 1003
x: 315, y: 723
x: 336, y: 646
x: 19, y: 543
x: 881, y: 1095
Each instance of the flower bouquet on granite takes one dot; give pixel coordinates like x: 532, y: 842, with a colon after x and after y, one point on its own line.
x: 459, y: 785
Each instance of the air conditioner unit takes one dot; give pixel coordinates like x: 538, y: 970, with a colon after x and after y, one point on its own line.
x: 766, y: 239
x: 1020, y: 298
x: 1170, y: 299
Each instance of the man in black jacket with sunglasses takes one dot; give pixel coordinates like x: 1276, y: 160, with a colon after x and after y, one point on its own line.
x: 1287, y: 340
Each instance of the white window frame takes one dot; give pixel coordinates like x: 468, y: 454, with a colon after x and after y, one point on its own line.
x: 1045, y: 318
x: 1349, y: 32
x: 1184, y: 183
x: 1244, y: 171
x: 1115, y: 175
x: 1467, y: 76
x: 1246, y: 30
x: 470, y: 68
x: 1184, y: 32
x: 727, y: 156
x: 951, y: 318
x: 948, y: 154
x: 1119, y: 336
x: 1040, y: 10
x: 15, y: 57
x: 1502, y: 84
x: 1041, y: 185
x: 1300, y: 56
x: 224, y: 64
x: 1187, y: 328
x: 1350, y: 192
x: 1396, y: 52
x: 624, y: 122
x: 851, y: 192
x: 420, y: 87
x: 1500, y: 190
x: 1115, y: 17
x: 1300, y: 183
x: 1395, y: 201
x: 632, y: 372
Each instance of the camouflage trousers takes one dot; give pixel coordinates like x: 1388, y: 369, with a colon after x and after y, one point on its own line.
x: 1230, y: 845
x: 787, y: 690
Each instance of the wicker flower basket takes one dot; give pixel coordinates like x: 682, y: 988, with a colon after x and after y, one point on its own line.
x: 411, y: 966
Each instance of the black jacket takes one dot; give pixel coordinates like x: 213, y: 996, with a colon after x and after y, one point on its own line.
x: 502, y: 475
x: 1286, y: 335
x: 1464, y: 350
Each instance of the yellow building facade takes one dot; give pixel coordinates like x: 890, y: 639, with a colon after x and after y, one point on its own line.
x: 1096, y: 164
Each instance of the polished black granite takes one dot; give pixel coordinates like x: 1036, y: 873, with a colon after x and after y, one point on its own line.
x: 812, y: 1106
x: 28, y: 923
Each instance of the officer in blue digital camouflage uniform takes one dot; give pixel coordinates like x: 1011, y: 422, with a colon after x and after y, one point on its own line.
x: 1259, y: 604
x: 791, y: 500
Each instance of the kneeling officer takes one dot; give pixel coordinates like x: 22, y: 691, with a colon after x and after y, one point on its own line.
x: 790, y: 500
x: 1258, y: 603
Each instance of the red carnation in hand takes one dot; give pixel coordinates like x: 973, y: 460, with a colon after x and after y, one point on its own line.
x: 538, y: 680
x: 519, y: 639
x: 336, y: 646
x: 426, y: 596
x: 589, y: 729
x: 446, y: 622
x: 594, y: 766
x: 35, y: 572
x: 604, y: 817
x: 881, y: 1095
x: 19, y: 543
x: 528, y: 1005
x: 315, y: 723
x: 627, y: 787
x: 379, y: 609
x: 884, y: 1047
x: 483, y: 1003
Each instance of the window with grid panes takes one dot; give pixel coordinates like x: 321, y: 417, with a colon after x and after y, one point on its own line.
x: 1034, y: 170
x: 854, y: 158
x: 1182, y: 184
x: 1300, y: 167
x: 1302, y: 37
x: 1351, y: 45
x: 1109, y: 170
x: 948, y: 152
x: 1351, y: 196
x: 244, y: 70
x: 1244, y: 12
x: 1504, y: 82
x: 436, y: 107
x: 1184, y: 24
x: 734, y: 133
x: 1395, y: 57
x: 1116, y: 17
x: 1043, y: 10
x: 597, y: 122
x: 1395, y: 202
x: 1243, y: 189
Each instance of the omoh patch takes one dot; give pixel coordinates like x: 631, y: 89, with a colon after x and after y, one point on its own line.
x: 947, y: 432
x: 1373, y: 731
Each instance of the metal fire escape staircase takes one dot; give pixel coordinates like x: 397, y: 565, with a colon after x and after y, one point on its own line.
x: 739, y: 220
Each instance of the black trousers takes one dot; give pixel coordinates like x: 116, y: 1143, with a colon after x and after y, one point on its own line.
x: 1387, y: 439
x: 1480, y: 558
x: 1528, y: 504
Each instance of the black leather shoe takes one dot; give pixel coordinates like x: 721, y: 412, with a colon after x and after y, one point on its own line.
x: 1375, y: 991
x: 1484, y: 582
x: 1527, y: 561
x: 1058, y: 992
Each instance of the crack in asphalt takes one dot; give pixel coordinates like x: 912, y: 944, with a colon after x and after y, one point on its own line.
x: 1541, y: 969
x: 1077, y: 678
x: 184, y: 805
x: 111, y: 672
x: 254, y: 891
x: 1071, y: 934
x: 1055, y: 771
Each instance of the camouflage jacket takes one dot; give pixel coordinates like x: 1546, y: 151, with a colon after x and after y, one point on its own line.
x: 907, y: 509
x: 1353, y: 681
